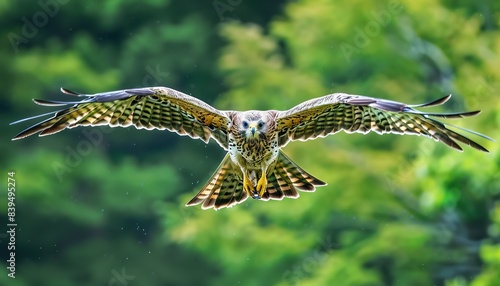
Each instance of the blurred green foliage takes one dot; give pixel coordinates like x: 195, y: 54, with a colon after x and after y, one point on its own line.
x: 106, y: 207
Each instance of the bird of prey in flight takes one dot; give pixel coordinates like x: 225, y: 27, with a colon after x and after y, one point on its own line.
x: 254, y: 166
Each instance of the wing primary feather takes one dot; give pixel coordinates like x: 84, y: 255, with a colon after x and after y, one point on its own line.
x: 446, y: 135
x: 444, y: 115
x: 55, y: 127
x: 70, y: 92
x: 59, y: 103
x: 49, y: 123
x: 32, y: 129
x: 33, y: 117
x: 433, y: 103
x: 471, y: 131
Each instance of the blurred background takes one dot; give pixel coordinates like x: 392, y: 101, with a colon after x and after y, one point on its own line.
x: 102, y: 206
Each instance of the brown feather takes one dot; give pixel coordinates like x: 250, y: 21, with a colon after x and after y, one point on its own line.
x: 149, y: 108
x: 354, y: 113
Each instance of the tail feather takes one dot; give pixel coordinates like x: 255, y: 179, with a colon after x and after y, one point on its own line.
x: 287, y: 177
x: 231, y: 192
x: 279, y: 185
x: 225, y: 187
x: 301, y: 179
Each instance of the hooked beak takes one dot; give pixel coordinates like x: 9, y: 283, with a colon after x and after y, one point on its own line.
x: 253, y: 129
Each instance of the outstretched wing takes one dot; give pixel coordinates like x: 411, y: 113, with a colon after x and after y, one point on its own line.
x: 150, y: 108
x: 355, y: 113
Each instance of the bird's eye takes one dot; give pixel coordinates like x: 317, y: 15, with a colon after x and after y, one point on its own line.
x: 260, y: 124
x: 244, y: 124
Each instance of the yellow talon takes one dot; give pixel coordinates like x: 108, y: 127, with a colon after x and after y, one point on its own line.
x: 248, y: 186
x: 251, y: 190
x: 262, y: 185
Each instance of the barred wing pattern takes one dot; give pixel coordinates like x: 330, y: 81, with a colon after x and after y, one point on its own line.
x: 150, y: 108
x: 355, y: 113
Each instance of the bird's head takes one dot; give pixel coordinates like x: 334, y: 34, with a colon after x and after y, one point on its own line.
x: 253, y: 125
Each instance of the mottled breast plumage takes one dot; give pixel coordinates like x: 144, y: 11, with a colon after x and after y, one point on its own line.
x: 254, y: 146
